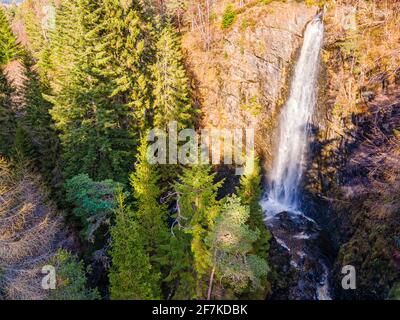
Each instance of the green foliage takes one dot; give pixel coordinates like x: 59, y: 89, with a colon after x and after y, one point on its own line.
x: 197, y: 210
x: 71, y: 279
x: 253, y: 106
x: 7, y: 121
x: 93, y: 202
x: 22, y: 147
x: 171, y: 84
x: 177, y: 257
x: 104, y: 94
x: 8, y: 51
x: 151, y: 216
x: 44, y: 144
x: 394, y: 293
x: 232, y: 242
x: 131, y: 275
x: 250, y: 192
x: 228, y: 17
x: 38, y: 34
x: 8, y: 44
x: 266, y: 1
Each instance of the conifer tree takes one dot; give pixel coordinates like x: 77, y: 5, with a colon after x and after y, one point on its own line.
x: 103, y: 98
x: 65, y: 45
x: 250, y: 192
x: 8, y: 44
x: 130, y: 50
x: 31, y: 233
x: 93, y: 203
x: 131, y: 275
x: 72, y: 282
x: 38, y: 31
x: 171, y: 84
x: 150, y: 214
x: 8, y: 51
x: 232, y: 239
x: 37, y: 125
x: 7, y: 122
x: 197, y: 210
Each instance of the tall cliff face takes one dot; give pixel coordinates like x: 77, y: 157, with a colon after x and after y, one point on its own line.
x: 242, y: 80
x: 356, y: 143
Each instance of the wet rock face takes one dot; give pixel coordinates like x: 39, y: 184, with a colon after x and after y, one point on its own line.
x: 242, y: 80
x: 309, y: 250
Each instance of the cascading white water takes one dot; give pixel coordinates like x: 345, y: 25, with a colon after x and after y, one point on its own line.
x: 294, y: 126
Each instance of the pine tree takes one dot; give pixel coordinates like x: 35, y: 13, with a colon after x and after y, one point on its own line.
x: 131, y: 275
x: 234, y: 265
x: 197, y: 210
x: 177, y: 258
x: 171, y: 84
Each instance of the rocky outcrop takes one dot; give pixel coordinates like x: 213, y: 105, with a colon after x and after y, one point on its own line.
x: 243, y: 79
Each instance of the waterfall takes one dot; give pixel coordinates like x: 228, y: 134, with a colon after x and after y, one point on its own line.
x: 294, y: 125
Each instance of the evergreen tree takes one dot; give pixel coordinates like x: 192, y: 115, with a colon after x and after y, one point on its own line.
x: 71, y: 279
x: 177, y: 257
x: 93, y: 203
x: 42, y: 141
x: 7, y: 121
x: 22, y: 147
x: 131, y: 275
x: 38, y: 30
x: 103, y: 98
x: 232, y: 240
x: 8, y: 51
x: 8, y: 44
x: 150, y: 214
x: 197, y: 210
x: 129, y: 47
x: 171, y: 84
x: 65, y: 44
x: 250, y: 193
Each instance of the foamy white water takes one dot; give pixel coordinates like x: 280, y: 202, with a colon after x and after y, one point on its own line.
x: 294, y: 125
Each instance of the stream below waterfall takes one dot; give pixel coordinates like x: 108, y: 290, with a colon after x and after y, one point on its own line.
x: 292, y: 228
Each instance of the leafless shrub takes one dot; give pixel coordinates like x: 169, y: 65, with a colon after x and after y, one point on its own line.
x: 29, y: 232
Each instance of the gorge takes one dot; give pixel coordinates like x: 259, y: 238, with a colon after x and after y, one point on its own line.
x: 86, y: 84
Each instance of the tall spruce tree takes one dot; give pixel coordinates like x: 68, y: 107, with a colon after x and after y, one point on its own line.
x: 197, y: 209
x: 7, y: 121
x: 8, y: 51
x: 104, y: 97
x: 39, y: 22
x: 8, y: 43
x: 250, y: 192
x: 149, y: 212
x: 131, y: 275
x: 93, y: 125
x: 171, y: 84
x: 38, y: 126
